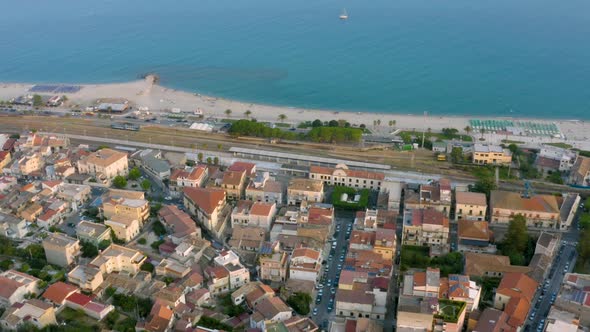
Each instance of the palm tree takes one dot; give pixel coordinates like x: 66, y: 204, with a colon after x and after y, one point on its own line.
x: 467, y: 130
x: 247, y: 114
x: 379, y: 122
x: 227, y: 112
x: 482, y: 131
x: 282, y: 117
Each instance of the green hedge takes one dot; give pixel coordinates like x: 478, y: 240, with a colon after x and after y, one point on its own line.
x: 360, y: 205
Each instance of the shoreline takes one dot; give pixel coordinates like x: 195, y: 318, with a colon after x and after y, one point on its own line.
x: 286, y: 108
x: 158, y: 98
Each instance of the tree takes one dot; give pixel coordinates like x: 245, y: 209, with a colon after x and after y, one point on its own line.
x: 228, y: 112
x: 516, y: 240
x: 485, y: 184
x: 555, y: 177
x: 142, y: 241
x: 247, y: 114
x: 482, y: 131
x: 134, y: 174
x: 300, y: 302
x: 120, y: 182
x: 219, y: 146
x: 379, y: 122
x: 148, y: 267
x: 159, y: 229
x: 406, y: 137
x: 209, y: 160
x: 37, y: 100
x: 317, y: 123
x: 456, y: 154
x: 200, y: 157
x: 216, y: 161
x: 88, y: 249
x: 282, y: 118
x: 146, y: 184
x: 449, y: 132
x: 333, y: 123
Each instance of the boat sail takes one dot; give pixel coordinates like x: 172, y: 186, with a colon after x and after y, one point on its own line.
x: 344, y: 15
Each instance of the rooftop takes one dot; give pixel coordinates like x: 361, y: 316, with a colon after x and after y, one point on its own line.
x: 59, y: 239
x: 208, y: 199
x: 469, y: 198
x: 306, y: 185
x: 105, y: 157
x: 513, y: 201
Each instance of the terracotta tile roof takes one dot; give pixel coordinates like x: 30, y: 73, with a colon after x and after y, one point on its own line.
x: 429, y: 216
x: 469, y: 198
x: 478, y: 264
x: 513, y: 201
x: 582, y: 166
x: 261, y: 209
x: 547, y: 163
x: 517, y: 309
x: 474, y: 230
x: 305, y: 252
x: 321, y: 170
x: 518, y: 285
x: 160, y: 318
x: 243, y: 166
x: 8, y: 287
x: 205, y: 198
x: 79, y: 299
x: 105, y: 157
x: 58, y: 292
x: 362, y: 237
x: 272, y: 306
x: 233, y: 178
x: 181, y: 223
x: 217, y: 271
x: 4, y: 154
x: 354, y: 296
x: 320, y: 216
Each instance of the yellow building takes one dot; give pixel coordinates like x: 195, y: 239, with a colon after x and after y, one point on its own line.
x: 125, y: 229
x: 484, y: 154
x: 343, y: 176
x: 61, y: 249
x: 301, y: 190
x: 125, y: 203
x: 5, y: 159
x: 104, y: 164
x: 470, y: 206
x: 30, y: 164
x: 538, y: 210
x: 117, y: 258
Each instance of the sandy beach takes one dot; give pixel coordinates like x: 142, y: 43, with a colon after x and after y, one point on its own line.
x: 143, y: 93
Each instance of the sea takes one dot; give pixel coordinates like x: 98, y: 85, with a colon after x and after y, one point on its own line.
x: 509, y: 58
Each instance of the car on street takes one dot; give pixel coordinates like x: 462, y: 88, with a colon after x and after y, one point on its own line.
x: 71, y: 225
x: 330, y: 308
x: 315, y: 311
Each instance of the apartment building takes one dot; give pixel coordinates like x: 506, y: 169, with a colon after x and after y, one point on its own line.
x: 234, y: 182
x: 126, y: 204
x: 208, y: 205
x: 254, y: 214
x: 470, y: 206
x: 12, y: 226
x: 273, y: 267
x: 305, y: 190
x: 426, y: 227
x: 487, y: 154
x: 422, y: 283
x: 120, y: 259
x: 514, y: 296
x: 60, y: 249
x: 538, y: 210
x: 475, y: 236
x: 92, y: 232
x: 436, y: 195
x: 104, y: 164
x: 263, y: 189
x: 123, y: 227
x: 180, y: 224
x: 193, y: 177
x: 30, y: 163
x: 238, y: 274
x: 341, y: 175
x: 5, y: 159
x: 87, y: 277
x: 460, y: 288
x: 566, y: 158
x: 580, y: 172
x: 305, y: 264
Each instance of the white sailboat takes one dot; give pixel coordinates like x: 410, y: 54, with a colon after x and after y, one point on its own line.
x: 344, y: 15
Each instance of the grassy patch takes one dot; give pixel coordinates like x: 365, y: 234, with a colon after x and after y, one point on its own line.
x: 282, y: 125
x: 418, y: 257
x: 509, y: 141
x: 450, y: 310
x: 228, y: 120
x: 560, y: 145
x: 361, y: 204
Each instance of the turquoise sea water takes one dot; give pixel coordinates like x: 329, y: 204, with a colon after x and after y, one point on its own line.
x: 525, y: 58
